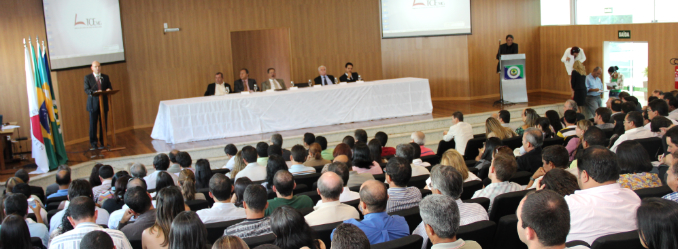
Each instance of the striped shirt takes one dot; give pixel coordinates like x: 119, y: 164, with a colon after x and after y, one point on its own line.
x: 468, y: 212
x: 491, y: 191
x: 71, y: 239
x: 672, y: 196
x: 250, y: 228
x: 567, y: 131
x: 402, y: 198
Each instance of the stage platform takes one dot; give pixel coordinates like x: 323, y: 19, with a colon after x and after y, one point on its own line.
x: 140, y: 147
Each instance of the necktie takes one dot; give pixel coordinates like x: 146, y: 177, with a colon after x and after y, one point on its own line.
x: 247, y: 86
x: 98, y: 81
x: 325, y: 80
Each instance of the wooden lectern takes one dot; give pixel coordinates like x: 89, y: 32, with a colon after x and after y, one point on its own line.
x: 108, y: 94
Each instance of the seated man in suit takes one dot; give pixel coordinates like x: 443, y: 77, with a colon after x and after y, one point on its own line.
x: 349, y: 76
x: 238, y: 85
x: 323, y: 79
x: 219, y: 87
x: 272, y: 82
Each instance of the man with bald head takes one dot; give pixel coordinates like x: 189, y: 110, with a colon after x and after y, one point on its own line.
x: 330, y: 210
x: 419, y: 138
x: 96, y: 82
x: 63, y: 179
x: 323, y: 78
x: 593, y: 86
x: 377, y: 224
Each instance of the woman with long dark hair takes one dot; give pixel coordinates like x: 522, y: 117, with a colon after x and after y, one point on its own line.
x: 188, y: 231
x: 291, y: 230
x: 554, y: 119
x: 117, y: 201
x: 618, y: 129
x: 239, y: 189
x: 274, y: 164
x: 484, y: 158
x: 362, y: 160
x: 617, y: 80
x: 94, y: 179
x: 375, y: 151
x: 163, y: 180
x: 110, y: 194
x: 635, y: 167
x: 14, y: 233
x: 170, y: 202
x: 559, y: 180
x: 657, y: 222
x: 544, y: 125
x: 203, y: 173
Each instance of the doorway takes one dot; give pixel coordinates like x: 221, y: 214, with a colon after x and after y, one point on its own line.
x: 632, y: 59
x: 258, y: 50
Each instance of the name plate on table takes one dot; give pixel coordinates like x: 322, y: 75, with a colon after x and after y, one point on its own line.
x: 245, y: 92
x: 270, y: 90
x: 343, y: 83
x: 360, y: 82
x: 294, y: 88
x: 317, y: 86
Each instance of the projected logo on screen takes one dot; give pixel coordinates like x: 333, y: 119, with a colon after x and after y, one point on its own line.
x: 86, y: 23
x: 514, y: 72
x: 428, y: 3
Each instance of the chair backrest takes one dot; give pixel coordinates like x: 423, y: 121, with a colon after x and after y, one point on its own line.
x: 300, y: 188
x: 652, y: 145
x: 577, y: 243
x: 216, y: 230
x: 305, y: 211
x: 39, y: 192
x: 196, y: 205
x: 514, y: 142
x: 521, y: 177
x: 407, y: 242
x: 506, y: 236
x: 626, y: 240
x: 307, y: 179
x: 37, y: 242
x: 315, y: 197
x: 472, y: 147
x: 52, y: 206
x: 552, y: 141
x: 425, y: 192
x: 483, y: 201
x: 653, y: 192
x: 380, y: 177
x: 206, y: 192
x: 432, y: 159
x: 324, y: 231
x: 136, y: 244
x: 506, y: 204
x: 418, y: 181
x: 51, y: 213
x: 253, y: 242
x: 411, y: 215
x: 318, y: 169
x: 222, y: 171
x: 32, y: 217
x: 480, y: 232
x: 470, y: 188
x: 608, y: 132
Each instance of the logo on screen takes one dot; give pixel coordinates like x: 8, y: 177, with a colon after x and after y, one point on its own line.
x: 428, y: 3
x: 514, y: 72
x: 87, y: 23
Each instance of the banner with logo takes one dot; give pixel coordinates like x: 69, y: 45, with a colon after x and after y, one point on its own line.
x: 514, y: 72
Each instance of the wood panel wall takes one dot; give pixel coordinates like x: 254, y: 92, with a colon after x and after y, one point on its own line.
x: 258, y: 50
x: 662, y: 47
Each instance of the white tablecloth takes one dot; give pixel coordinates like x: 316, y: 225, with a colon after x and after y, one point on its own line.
x: 233, y: 115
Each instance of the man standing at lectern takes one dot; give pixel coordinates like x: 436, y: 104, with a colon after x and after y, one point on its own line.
x: 96, y: 82
x: 507, y: 48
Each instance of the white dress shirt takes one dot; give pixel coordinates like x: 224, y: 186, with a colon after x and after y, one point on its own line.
x: 419, y: 170
x: 346, y: 196
x: 324, y: 80
x: 673, y: 115
x: 55, y: 222
x: 229, y: 164
x: 468, y: 213
x: 254, y: 171
x: 461, y: 133
x: 219, y: 89
x: 299, y: 169
x: 330, y: 212
x: 600, y: 211
x: 71, y: 239
x: 116, y: 216
x: 152, y: 178
x: 274, y: 84
x: 221, y: 212
x: 569, y: 64
x: 632, y: 134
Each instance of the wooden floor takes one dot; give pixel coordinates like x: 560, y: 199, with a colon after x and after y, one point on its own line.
x: 139, y: 141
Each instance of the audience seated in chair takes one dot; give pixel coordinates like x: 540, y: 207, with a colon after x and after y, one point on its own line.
x: 454, y: 159
x: 188, y: 231
x: 16, y: 204
x: 161, y: 163
x: 297, y: 159
x: 570, y: 121
x: 223, y: 209
x: 344, y: 172
x: 602, y: 119
x: 23, y: 188
x: 186, y: 182
x: 230, y: 150
x: 230, y: 242
x: 355, y: 179
x: 377, y: 225
x: 292, y: 231
x: 185, y: 161
x: 594, y: 136
x: 416, y: 161
x: 559, y: 180
x: 315, y: 157
x: 493, y: 128
x: 554, y: 156
x: 78, y: 188
x: 633, y: 124
x: 460, y: 131
x: 375, y: 151
x: 446, y: 180
x: 401, y: 197
x: 502, y: 169
x: 362, y: 160
x: 672, y: 182
x: 63, y: 179
x: 255, y: 223
x: 419, y: 138
x: 330, y: 209
x: 349, y: 236
x: 97, y: 239
x: 174, y: 167
x: 117, y: 215
x: 531, y: 160
x: 252, y: 170
x: 140, y: 206
x: 658, y: 223
x: 440, y: 216
x: 574, y: 142
x: 170, y: 203
x: 383, y: 139
x: 407, y: 151
x: 572, y: 105
x: 274, y: 164
x: 283, y: 185
x: 602, y: 207
x: 35, y: 190
x: 326, y: 153
x: 136, y: 170
x: 529, y: 117
x: 635, y: 166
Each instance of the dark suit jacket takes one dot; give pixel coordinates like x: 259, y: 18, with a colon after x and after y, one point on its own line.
x: 531, y: 161
x: 317, y: 79
x: 91, y: 87
x: 210, y: 88
x: 239, y: 87
x: 344, y: 78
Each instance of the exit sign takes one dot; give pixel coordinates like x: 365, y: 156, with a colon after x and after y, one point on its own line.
x: 624, y: 34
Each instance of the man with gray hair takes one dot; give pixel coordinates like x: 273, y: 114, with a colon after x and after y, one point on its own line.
x: 277, y: 139
x: 440, y: 216
x: 419, y: 138
x: 323, y: 79
x: 531, y: 160
x: 137, y: 170
x: 406, y: 151
x: 448, y: 181
x: 330, y: 210
x: 593, y: 88
x: 571, y: 105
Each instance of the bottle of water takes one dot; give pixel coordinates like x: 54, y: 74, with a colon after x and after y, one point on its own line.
x: 228, y: 90
x: 292, y: 83
x: 310, y: 83
x: 256, y: 88
x: 336, y: 81
x: 360, y: 78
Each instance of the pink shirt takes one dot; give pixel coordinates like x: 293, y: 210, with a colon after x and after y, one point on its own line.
x: 375, y: 169
x: 572, y: 146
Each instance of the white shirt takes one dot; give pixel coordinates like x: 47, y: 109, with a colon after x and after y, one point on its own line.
x: 649, y: 128
x: 299, y: 169
x: 43, y: 213
x: 55, y: 222
x: 346, y: 196
x: 468, y: 213
x: 421, y: 163
x: 152, y: 178
x: 219, y: 89
x: 461, y: 133
x: 116, y: 216
x: 568, y: 64
x: 254, y: 171
x: 221, y: 212
x: 71, y: 239
x: 330, y: 212
x: 274, y: 84
x: 601, y: 211
x: 38, y: 230
x: 229, y: 164
x: 632, y: 134
x: 419, y: 170
x: 673, y: 115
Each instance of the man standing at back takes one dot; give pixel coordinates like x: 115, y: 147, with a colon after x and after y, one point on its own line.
x: 593, y: 87
x: 602, y: 207
x: 460, y: 131
x: 96, y: 82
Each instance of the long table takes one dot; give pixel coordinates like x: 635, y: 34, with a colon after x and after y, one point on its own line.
x: 233, y: 115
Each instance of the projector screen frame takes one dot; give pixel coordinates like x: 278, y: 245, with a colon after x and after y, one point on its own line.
x: 49, y: 58
x: 381, y: 26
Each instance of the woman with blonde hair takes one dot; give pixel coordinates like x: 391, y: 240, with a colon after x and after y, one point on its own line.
x: 230, y: 242
x: 452, y: 158
x: 530, y: 117
x: 238, y: 165
x: 494, y: 129
x: 578, y: 84
x: 186, y: 182
x: 575, y: 142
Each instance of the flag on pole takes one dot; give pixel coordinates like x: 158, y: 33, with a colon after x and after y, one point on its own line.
x: 55, y: 125
x: 38, y: 151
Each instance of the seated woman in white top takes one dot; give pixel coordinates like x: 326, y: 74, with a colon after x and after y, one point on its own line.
x: 187, y: 184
